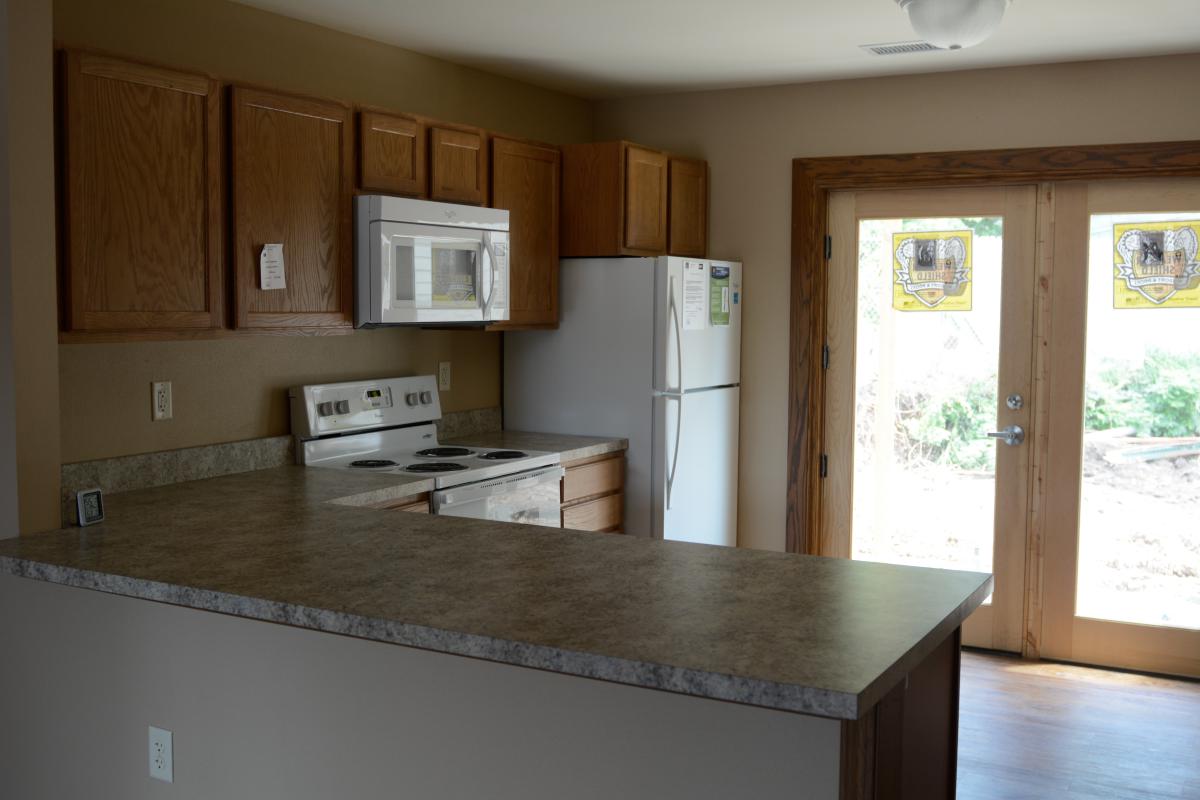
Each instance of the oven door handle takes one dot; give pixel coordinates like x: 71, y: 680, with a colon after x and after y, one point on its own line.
x: 478, y: 491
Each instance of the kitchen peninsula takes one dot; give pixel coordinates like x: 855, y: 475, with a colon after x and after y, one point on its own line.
x: 272, y: 653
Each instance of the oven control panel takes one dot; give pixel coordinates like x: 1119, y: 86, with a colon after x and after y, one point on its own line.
x: 334, y: 408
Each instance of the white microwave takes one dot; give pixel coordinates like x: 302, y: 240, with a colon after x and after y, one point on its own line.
x: 423, y: 263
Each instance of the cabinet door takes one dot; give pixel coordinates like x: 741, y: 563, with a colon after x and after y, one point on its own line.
x: 459, y: 165
x: 525, y: 180
x: 645, y: 200
x: 142, y: 178
x: 687, y: 209
x: 392, y: 154
x: 292, y: 174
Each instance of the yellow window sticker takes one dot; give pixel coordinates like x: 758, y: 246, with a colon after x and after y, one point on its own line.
x: 1155, y: 266
x: 933, y: 271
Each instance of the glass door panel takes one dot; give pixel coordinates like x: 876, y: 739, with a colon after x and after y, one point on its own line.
x: 1139, y: 521
x: 926, y: 373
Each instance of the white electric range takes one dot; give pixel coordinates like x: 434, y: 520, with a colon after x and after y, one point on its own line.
x: 388, y: 426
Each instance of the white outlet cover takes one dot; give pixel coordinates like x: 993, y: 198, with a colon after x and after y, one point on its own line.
x: 162, y: 761
x: 444, y: 376
x: 161, y: 405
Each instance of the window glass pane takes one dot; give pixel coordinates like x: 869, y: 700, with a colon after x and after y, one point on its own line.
x: 1139, y: 540
x: 927, y: 352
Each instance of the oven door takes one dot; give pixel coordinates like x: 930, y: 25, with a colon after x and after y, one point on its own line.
x: 425, y: 274
x: 530, y: 497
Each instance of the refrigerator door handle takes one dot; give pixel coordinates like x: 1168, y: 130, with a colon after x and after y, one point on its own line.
x: 678, y: 341
x: 675, y: 456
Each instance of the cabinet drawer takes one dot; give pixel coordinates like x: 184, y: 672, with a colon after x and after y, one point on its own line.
x: 599, y: 477
x: 416, y: 505
x: 601, y: 514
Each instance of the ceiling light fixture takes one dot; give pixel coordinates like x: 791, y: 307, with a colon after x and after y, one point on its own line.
x: 954, y: 24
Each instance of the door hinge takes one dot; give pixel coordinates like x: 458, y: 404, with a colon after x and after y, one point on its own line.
x: 824, y: 356
x: 828, y: 247
x: 824, y: 465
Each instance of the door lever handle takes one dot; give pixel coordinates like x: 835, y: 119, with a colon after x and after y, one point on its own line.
x: 1012, y: 436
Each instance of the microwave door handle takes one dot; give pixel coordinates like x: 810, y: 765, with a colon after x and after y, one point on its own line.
x: 490, y: 262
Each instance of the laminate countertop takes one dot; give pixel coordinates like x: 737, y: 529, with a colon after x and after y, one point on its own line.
x: 302, y: 547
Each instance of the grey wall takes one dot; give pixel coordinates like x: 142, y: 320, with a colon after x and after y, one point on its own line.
x: 266, y: 711
x: 8, y: 441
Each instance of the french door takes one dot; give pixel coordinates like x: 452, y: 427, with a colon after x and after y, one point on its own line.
x: 1013, y: 386
x: 930, y: 335
x: 1121, y: 572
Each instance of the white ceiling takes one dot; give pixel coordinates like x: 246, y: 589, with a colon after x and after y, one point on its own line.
x: 604, y: 48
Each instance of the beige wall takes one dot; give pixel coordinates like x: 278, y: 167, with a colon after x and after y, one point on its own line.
x: 31, y: 247
x: 259, y: 710
x: 235, y: 389
x: 750, y: 136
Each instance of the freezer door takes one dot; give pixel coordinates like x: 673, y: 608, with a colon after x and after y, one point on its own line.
x: 696, y: 466
x: 698, y: 324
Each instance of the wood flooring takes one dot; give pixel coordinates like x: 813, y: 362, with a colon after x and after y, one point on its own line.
x: 1042, y: 730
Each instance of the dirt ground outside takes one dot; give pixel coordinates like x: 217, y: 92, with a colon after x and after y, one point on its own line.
x: 1139, y: 558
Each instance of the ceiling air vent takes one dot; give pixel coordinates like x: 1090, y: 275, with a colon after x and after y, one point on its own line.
x: 899, y: 48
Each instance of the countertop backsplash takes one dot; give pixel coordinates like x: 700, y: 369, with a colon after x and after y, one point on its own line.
x: 147, y: 470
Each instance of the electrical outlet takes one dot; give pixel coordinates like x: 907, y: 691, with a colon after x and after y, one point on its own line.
x: 162, y: 760
x: 444, y: 376
x: 160, y: 400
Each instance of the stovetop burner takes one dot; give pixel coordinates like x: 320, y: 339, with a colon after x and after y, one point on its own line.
x: 502, y: 455
x: 435, y: 466
x: 443, y: 452
x: 372, y: 463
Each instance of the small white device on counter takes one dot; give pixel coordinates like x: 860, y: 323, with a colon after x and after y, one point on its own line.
x: 423, y: 263
x: 648, y: 349
x: 388, y: 426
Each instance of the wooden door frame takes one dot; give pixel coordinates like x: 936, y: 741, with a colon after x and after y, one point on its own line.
x: 812, y: 181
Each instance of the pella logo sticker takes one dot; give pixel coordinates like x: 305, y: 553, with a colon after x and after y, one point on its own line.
x: 933, y: 271
x: 1155, y: 265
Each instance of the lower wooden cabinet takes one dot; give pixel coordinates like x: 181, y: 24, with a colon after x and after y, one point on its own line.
x: 416, y: 505
x: 593, y: 496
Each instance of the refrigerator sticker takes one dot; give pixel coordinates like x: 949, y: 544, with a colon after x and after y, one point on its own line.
x: 718, y: 296
x: 933, y: 271
x: 1155, y: 266
x: 695, y: 293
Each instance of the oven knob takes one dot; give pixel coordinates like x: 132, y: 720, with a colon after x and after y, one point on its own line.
x: 412, y: 398
x: 426, y: 398
x: 342, y: 406
x: 325, y: 409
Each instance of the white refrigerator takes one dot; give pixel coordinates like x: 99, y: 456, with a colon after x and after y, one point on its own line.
x: 648, y: 349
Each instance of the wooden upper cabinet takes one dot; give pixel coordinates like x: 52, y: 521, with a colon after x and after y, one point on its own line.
x: 614, y: 200
x: 458, y: 167
x: 392, y: 154
x: 293, y: 163
x: 645, y: 199
x: 687, y: 229
x: 142, y: 169
x: 526, y: 180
